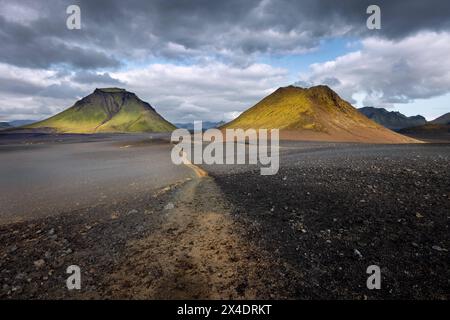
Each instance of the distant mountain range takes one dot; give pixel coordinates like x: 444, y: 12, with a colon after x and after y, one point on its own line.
x: 444, y: 119
x: 4, y: 125
x: 415, y: 126
x: 316, y: 113
x: 393, y: 120
x: 18, y: 123
x: 106, y: 110
x: 205, y: 125
x: 439, y: 127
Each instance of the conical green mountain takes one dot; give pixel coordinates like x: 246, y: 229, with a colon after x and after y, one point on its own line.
x: 107, y: 110
x: 316, y: 113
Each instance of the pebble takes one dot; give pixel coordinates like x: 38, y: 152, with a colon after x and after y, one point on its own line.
x: 169, y: 206
x: 39, y: 263
x: 357, y: 253
x: 437, y: 248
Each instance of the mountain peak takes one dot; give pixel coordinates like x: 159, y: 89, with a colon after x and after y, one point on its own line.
x: 319, y: 91
x: 110, y: 90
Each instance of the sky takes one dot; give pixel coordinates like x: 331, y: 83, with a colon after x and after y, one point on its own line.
x: 211, y: 60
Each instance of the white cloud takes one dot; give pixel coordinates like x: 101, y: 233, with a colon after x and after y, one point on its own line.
x: 38, y: 93
x: 213, y: 91
x: 386, y: 72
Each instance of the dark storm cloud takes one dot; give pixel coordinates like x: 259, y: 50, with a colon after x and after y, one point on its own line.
x: 31, y: 47
x: 19, y: 87
x: 16, y: 86
x: 33, y: 33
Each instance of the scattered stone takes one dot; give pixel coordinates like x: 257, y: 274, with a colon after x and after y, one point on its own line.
x: 438, y: 248
x: 169, y: 206
x: 114, y: 215
x: 21, y: 276
x: 39, y: 263
x: 357, y: 253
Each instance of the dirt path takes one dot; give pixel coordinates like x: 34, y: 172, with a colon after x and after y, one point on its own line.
x: 196, y: 254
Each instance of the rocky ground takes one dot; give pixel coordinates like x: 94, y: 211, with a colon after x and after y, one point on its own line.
x: 308, y: 232
x: 174, y: 244
x: 333, y: 210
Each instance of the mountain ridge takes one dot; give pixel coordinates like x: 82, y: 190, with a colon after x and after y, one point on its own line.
x: 393, y: 120
x: 444, y: 119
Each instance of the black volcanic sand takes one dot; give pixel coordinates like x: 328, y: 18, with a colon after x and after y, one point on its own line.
x: 308, y: 232
x: 334, y: 209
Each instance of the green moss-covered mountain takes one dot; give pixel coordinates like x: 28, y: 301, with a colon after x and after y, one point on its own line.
x: 107, y: 110
x: 316, y: 113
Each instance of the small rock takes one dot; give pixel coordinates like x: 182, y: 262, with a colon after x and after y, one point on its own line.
x: 17, y: 288
x: 358, y: 254
x: 114, y: 215
x: 51, y: 232
x: 437, y: 248
x: 169, y: 206
x: 134, y: 211
x: 20, y: 276
x: 39, y: 263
